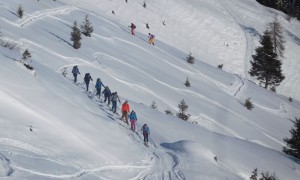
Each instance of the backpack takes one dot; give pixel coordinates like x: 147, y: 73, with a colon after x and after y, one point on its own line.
x: 74, y: 70
x: 133, y: 26
x: 114, y: 96
x: 86, y: 77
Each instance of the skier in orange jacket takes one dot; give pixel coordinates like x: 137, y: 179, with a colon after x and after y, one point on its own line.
x: 125, y: 111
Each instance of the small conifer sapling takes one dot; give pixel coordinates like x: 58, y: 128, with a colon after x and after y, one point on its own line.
x: 20, y: 11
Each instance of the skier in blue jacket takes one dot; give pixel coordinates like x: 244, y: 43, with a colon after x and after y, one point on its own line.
x: 133, y: 119
x: 75, y: 71
x: 98, y: 87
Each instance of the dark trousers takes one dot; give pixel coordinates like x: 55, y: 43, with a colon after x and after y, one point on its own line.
x: 75, y: 78
x: 145, y: 137
x: 114, y: 106
x: 98, y: 92
x: 87, y: 85
x: 107, y: 98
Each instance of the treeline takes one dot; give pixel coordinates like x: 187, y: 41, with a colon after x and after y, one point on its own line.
x: 290, y: 7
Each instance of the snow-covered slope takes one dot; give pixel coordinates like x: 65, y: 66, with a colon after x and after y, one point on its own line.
x: 74, y: 134
x: 215, y: 31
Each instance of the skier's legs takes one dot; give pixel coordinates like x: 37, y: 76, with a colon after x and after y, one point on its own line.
x: 98, y: 92
x: 126, y: 117
x: 87, y: 86
x: 114, y: 106
x: 108, y: 103
x: 134, y: 125
x: 75, y: 77
x: 146, y: 137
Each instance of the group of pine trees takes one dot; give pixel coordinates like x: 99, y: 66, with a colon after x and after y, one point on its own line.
x: 182, y: 110
x: 290, y: 7
x: 86, y: 29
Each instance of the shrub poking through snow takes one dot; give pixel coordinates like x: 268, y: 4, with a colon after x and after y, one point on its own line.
x: 26, y: 55
x: 169, y: 112
x: 220, y: 66
x: 248, y: 104
x: 190, y: 59
x: 153, y: 105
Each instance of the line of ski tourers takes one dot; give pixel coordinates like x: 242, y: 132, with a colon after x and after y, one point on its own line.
x: 113, y: 98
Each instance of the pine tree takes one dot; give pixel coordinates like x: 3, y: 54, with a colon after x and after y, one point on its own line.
x: 190, y: 59
x: 87, y: 27
x: 293, y: 144
x: 183, y: 110
x: 26, y: 55
x: 187, y: 82
x: 153, y: 105
x: 20, y: 11
x: 265, y: 65
x: 254, y: 175
x: 76, y: 36
x: 275, y: 30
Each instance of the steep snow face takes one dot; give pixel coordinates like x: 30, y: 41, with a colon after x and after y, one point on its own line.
x: 216, y: 31
x: 54, y: 129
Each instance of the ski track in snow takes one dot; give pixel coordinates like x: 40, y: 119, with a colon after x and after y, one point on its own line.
x: 165, y: 162
x: 5, y: 167
x: 249, y: 41
x: 22, y: 145
x: 241, y: 85
x: 30, y: 18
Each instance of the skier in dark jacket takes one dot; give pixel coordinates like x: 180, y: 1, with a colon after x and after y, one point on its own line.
x: 114, y: 99
x: 146, y: 132
x: 98, y: 87
x: 107, y: 94
x: 87, y: 79
x: 75, y: 71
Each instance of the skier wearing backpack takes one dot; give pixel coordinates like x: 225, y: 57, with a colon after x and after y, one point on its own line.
x: 146, y: 132
x: 133, y: 119
x: 98, y: 87
x: 107, y: 95
x: 125, y: 111
x: 151, y: 39
x: 75, y: 71
x: 87, y: 79
x: 114, y: 99
x: 132, y: 26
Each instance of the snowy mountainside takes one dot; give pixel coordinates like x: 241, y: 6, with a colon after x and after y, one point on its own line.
x: 75, y: 135
x: 215, y: 31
